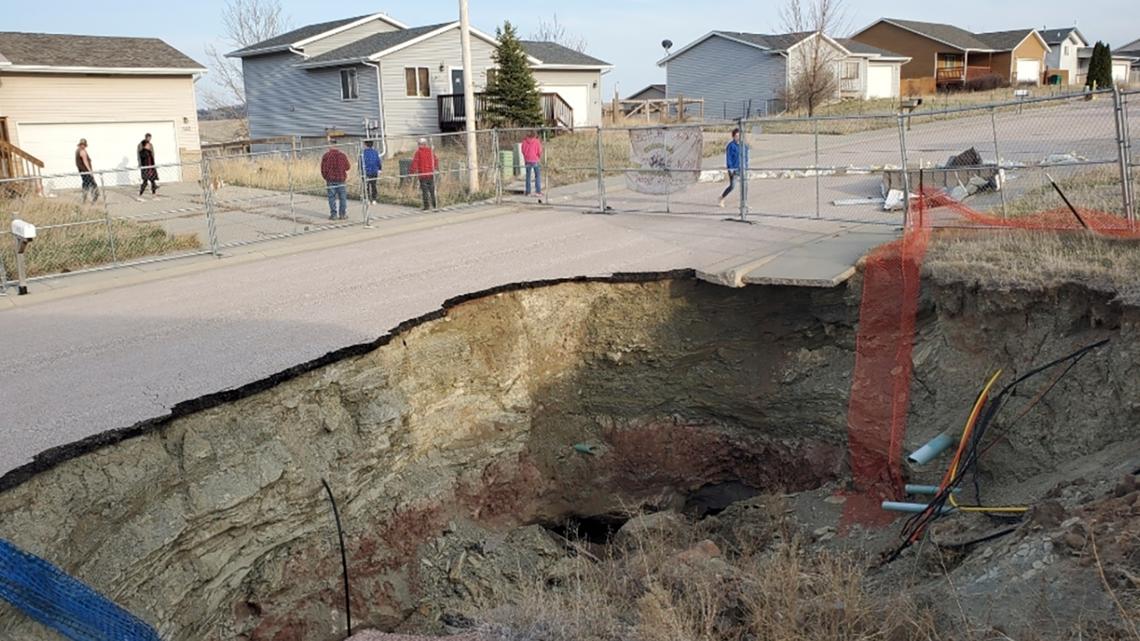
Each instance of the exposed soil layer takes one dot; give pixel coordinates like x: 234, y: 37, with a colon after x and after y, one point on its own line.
x: 509, y: 421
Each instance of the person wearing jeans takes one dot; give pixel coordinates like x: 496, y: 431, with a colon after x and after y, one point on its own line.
x: 732, y: 162
x: 84, y: 165
x: 334, y: 169
x: 370, y: 159
x: 424, y: 165
x: 532, y: 157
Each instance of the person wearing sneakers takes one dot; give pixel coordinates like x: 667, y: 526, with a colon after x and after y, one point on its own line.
x: 146, y: 167
x: 86, y: 172
x: 370, y: 160
x: 532, y: 157
x: 334, y: 169
x: 732, y: 162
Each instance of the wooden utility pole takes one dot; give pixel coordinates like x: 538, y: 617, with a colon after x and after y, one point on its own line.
x: 468, y: 100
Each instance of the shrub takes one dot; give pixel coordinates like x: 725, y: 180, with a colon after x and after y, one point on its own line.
x: 988, y: 82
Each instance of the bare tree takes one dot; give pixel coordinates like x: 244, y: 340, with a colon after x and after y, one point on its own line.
x: 246, y: 22
x: 554, y: 31
x: 814, y: 64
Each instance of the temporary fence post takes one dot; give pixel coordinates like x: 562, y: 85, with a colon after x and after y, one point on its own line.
x: 997, y: 161
x: 668, y: 185
x: 292, y: 190
x: 742, y: 162
x: 1123, y: 154
x: 208, y: 198
x: 497, y: 166
x: 363, y: 181
x: 601, y: 175
x: 816, y: 165
x: 107, y: 217
x: 905, y: 169
x: 437, y: 175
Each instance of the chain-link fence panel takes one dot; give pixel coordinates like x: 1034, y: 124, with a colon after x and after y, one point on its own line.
x: 105, y: 218
x: 1131, y: 130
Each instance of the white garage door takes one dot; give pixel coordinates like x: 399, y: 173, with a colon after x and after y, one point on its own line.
x: 880, y: 81
x: 1028, y: 70
x: 1120, y: 72
x: 111, y: 145
x: 578, y: 97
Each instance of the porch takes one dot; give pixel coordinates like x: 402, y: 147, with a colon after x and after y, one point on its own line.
x: 954, y: 70
x: 556, y: 112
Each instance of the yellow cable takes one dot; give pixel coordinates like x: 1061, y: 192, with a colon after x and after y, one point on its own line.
x: 966, y: 432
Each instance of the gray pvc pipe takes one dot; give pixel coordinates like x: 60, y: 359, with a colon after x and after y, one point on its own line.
x: 912, y: 508
x: 929, y: 490
x: 933, y: 448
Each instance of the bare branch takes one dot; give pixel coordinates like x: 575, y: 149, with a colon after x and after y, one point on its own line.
x: 814, y: 64
x: 554, y: 31
x: 245, y: 22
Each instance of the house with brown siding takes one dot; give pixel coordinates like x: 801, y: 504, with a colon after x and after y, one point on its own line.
x: 943, y: 55
x: 56, y: 89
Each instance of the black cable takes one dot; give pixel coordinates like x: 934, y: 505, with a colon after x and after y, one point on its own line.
x: 916, y: 525
x: 343, y: 558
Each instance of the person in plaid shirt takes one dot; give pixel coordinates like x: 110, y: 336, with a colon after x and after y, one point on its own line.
x: 334, y: 169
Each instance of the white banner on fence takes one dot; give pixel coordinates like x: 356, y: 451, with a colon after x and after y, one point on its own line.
x: 670, y: 157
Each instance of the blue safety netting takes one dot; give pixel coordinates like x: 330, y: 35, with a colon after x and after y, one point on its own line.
x: 50, y: 596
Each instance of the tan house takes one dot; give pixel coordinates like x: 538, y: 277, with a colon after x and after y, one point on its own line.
x: 946, y: 56
x: 56, y: 89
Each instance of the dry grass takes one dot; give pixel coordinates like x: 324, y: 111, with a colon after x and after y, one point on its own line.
x: 80, y: 246
x: 1096, y: 189
x: 649, y: 593
x: 1035, y: 259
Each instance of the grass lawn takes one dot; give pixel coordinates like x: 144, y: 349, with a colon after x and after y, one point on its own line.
x: 83, y: 240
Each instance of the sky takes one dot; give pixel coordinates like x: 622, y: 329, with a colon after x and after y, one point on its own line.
x: 625, y: 33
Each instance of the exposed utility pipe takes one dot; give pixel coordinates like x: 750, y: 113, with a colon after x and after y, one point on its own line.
x: 933, y: 448
x: 343, y: 558
x: 924, y: 490
x: 913, y: 508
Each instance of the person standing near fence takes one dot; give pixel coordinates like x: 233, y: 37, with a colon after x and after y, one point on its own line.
x: 424, y: 165
x: 83, y: 164
x: 370, y: 161
x: 733, y: 163
x: 146, y: 167
x: 532, y: 158
x: 334, y: 169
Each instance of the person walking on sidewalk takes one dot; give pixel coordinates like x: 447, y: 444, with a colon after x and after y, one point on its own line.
x: 84, y: 165
x: 370, y: 160
x: 532, y: 157
x: 334, y: 169
x: 735, y: 162
x: 146, y: 167
x: 424, y: 165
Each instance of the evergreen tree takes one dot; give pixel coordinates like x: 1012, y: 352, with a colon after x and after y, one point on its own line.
x: 512, y: 93
x: 1100, y: 67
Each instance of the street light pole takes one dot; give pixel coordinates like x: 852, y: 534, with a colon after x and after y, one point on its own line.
x: 468, y: 100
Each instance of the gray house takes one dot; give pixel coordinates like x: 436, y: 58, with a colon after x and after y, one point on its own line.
x: 376, y: 76
x: 741, y: 74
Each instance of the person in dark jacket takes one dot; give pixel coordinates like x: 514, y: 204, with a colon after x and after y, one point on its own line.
x: 734, y: 163
x: 370, y: 161
x: 146, y: 166
x: 86, y: 172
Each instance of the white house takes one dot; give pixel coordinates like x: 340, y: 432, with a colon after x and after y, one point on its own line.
x: 375, y: 75
x: 747, y: 74
x: 1064, y: 53
x: 56, y: 89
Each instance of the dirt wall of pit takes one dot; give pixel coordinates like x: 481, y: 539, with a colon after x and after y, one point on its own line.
x: 212, y: 523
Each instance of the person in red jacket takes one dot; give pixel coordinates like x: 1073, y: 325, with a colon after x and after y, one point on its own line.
x: 424, y: 165
x: 334, y: 169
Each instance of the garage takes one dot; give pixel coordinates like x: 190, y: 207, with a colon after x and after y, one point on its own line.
x: 112, y: 146
x: 1120, y: 69
x: 1028, y: 71
x: 881, y: 81
x: 578, y: 97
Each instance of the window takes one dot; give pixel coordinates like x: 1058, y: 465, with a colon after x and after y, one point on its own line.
x: 348, y: 87
x: 1066, y: 50
x: 417, y: 81
x: 951, y: 60
x: 491, y: 74
x: 850, y: 70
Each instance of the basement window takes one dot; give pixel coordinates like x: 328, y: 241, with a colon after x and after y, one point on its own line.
x: 348, y: 87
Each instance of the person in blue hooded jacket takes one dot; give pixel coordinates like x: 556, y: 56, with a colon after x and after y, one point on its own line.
x: 370, y: 161
x: 732, y: 162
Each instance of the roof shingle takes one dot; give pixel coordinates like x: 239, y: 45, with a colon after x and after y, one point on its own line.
x: 295, y: 35
x: 1004, y: 40
x: 365, y: 47
x: 856, y: 47
x: 946, y: 33
x: 552, y: 53
x: 61, y: 50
